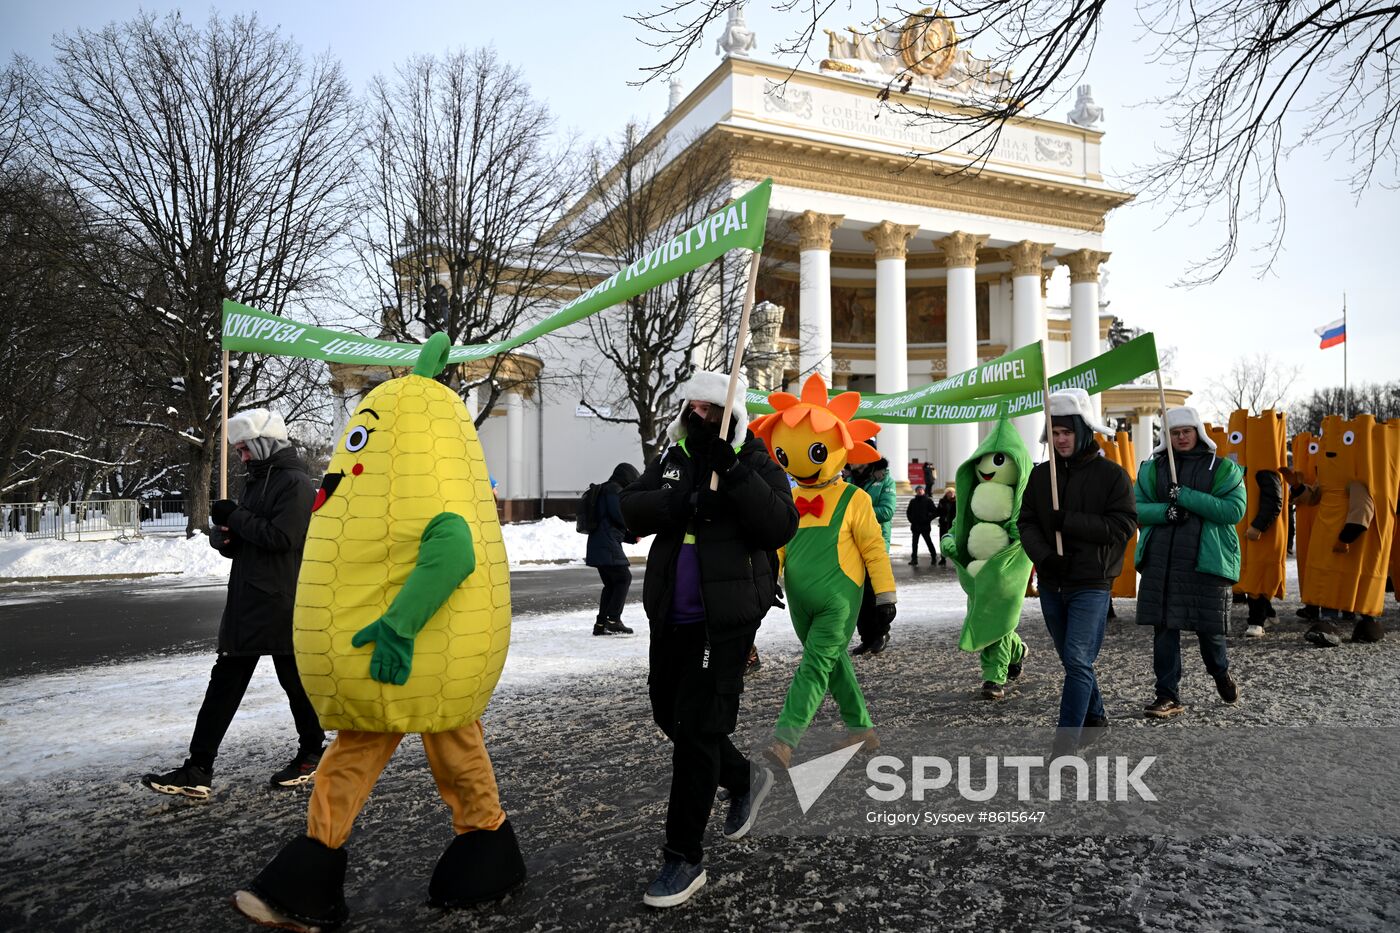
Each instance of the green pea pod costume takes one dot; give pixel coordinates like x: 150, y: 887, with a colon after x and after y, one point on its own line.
x: 995, y: 595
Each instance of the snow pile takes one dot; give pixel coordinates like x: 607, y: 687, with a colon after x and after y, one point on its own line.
x: 551, y: 541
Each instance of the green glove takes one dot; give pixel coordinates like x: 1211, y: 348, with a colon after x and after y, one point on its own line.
x: 393, y: 654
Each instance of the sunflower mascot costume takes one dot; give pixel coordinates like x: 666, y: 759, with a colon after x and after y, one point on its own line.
x: 401, y: 625
x: 837, y: 544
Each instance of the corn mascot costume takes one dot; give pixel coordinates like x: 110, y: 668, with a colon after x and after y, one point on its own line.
x: 1121, y: 451
x: 1358, y: 473
x: 402, y: 623
x: 1306, y: 451
x: 1259, y: 445
x: 985, y: 548
x: 838, y: 542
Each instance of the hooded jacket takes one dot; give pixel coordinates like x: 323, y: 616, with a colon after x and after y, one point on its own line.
x: 605, y: 540
x: 268, y: 529
x: 1100, y: 516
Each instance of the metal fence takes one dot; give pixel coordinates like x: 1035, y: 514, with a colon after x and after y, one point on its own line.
x: 87, y: 519
x: 163, y: 516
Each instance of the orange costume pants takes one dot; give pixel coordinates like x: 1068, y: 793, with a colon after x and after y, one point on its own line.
x: 351, y: 766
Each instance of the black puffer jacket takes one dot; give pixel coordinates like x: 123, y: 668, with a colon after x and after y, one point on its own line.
x: 920, y: 513
x: 268, y: 530
x: 1172, y: 592
x: 1100, y: 516
x: 752, y: 517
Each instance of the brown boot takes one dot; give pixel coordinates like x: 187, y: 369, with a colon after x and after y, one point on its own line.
x: 1367, y: 629
x: 780, y: 754
x: 868, y: 739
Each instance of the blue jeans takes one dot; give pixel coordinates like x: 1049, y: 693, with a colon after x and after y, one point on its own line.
x: 1076, y: 620
x: 1166, y: 658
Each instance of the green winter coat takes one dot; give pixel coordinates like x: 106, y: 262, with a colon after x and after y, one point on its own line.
x: 995, y: 595
x: 881, y: 492
x: 1220, y: 545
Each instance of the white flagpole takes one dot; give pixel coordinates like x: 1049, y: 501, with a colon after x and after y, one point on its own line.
x: 741, y: 339
x: 1054, y: 482
x: 1346, y: 385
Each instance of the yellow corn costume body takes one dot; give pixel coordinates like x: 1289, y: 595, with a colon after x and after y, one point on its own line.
x: 1358, y: 473
x: 1305, y: 452
x: 1259, y: 445
x: 1120, y: 451
x: 402, y: 623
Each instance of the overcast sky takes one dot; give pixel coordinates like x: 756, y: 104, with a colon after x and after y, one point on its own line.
x: 581, y: 58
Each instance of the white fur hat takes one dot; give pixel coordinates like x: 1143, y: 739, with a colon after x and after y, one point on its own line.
x: 707, y: 386
x: 254, y: 423
x: 1076, y: 402
x: 1183, y: 417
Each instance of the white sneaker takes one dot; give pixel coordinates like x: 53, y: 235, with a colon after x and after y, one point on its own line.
x: 1254, y: 631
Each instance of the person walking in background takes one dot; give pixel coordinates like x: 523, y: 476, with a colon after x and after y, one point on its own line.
x: 1188, y: 555
x: 605, y: 550
x: 920, y: 514
x: 947, y: 511
x: 708, y: 584
x: 875, y: 479
x: 263, y: 534
x: 1095, y: 519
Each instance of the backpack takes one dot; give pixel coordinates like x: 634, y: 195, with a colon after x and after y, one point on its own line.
x: 586, y: 519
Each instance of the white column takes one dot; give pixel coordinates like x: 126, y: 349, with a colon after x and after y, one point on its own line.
x: 1142, y: 434
x: 960, y: 252
x: 1027, y: 320
x: 891, y: 338
x: 814, y: 292
x: 515, y: 445
x: 1084, y: 308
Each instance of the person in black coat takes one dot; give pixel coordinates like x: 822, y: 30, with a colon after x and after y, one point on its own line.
x: 263, y: 535
x: 947, y: 511
x: 710, y: 579
x: 606, y: 554
x: 920, y: 514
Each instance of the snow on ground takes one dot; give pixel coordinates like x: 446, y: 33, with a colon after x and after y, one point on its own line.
x: 147, y: 707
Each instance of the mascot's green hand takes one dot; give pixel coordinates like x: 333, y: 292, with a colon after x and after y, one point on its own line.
x: 393, y: 653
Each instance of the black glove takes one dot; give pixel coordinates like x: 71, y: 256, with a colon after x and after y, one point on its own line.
x: 778, y: 596
x: 1176, y: 515
x: 1350, y: 532
x: 1173, y: 490
x: 885, y: 613
x: 721, y: 456
x: 1056, y: 566
x: 221, y: 509
x: 219, y: 538
x: 706, y: 502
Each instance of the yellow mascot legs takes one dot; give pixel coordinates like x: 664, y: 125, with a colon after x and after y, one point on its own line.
x: 351, y: 766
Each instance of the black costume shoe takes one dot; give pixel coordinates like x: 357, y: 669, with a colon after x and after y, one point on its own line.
x: 300, y: 771
x: 303, y: 888
x: 1323, y: 634
x: 1367, y: 630
x: 1013, y: 670
x: 1308, y: 612
x: 881, y: 645
x: 862, y: 648
x: 188, y: 780
x: 480, y: 866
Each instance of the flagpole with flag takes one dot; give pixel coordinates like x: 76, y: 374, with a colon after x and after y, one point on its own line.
x: 1336, y: 333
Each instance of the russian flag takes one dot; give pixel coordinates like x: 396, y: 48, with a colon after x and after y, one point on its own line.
x: 1332, y: 334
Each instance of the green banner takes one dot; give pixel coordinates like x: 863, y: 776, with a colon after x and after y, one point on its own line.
x: 983, y: 393
x: 738, y: 225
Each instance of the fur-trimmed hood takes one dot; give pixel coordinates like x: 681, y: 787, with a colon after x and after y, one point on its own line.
x: 708, y: 386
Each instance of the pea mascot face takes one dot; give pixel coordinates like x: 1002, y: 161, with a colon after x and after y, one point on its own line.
x: 811, y: 438
x: 409, y: 454
x: 998, y: 468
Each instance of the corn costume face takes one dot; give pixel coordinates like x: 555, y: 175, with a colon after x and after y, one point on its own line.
x: 985, y: 548
x: 402, y: 623
x: 837, y: 544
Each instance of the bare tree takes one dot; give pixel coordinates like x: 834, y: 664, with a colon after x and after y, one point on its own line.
x: 214, y: 162
x: 1381, y: 399
x: 1255, y: 80
x: 638, y: 353
x: 465, y: 189
x: 1255, y: 383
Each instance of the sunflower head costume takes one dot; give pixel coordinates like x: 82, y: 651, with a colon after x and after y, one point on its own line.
x: 838, y: 545
x: 401, y: 625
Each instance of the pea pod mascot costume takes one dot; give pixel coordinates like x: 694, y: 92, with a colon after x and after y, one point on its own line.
x: 838, y: 542
x: 985, y: 548
x: 402, y: 623
x: 1358, y: 473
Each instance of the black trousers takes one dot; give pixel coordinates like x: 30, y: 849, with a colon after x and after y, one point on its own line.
x: 915, y: 535
x: 228, y: 681
x: 617, y: 580
x: 697, y: 707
